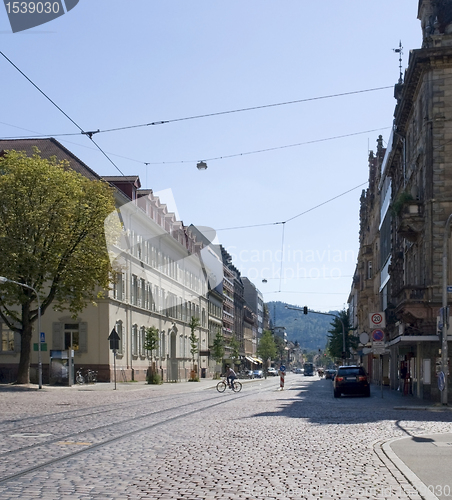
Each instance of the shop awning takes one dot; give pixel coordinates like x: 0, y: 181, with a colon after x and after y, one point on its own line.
x: 255, y: 361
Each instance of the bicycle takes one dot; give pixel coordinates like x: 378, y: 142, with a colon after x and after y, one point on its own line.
x: 236, y: 385
x: 89, y: 378
x: 79, y: 378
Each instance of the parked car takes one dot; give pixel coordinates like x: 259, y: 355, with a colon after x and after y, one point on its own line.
x: 299, y: 370
x: 351, y: 380
x: 330, y: 373
x: 246, y: 374
x: 258, y: 374
x: 272, y: 372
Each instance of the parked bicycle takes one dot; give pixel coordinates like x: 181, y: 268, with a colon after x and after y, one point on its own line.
x: 89, y: 378
x: 223, y: 384
x: 79, y: 378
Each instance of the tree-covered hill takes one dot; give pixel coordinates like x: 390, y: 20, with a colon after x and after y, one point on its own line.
x: 310, y: 330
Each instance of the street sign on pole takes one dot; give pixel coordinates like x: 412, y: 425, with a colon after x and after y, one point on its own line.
x: 42, y: 337
x: 114, y: 340
x: 377, y: 320
x: 378, y: 335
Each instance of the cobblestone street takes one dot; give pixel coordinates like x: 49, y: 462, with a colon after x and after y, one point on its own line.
x: 189, y: 442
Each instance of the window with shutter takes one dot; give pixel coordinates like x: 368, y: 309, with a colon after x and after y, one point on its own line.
x: 134, y: 290
x: 72, y: 336
x: 142, y: 341
x: 134, y: 340
x: 120, y: 332
x: 7, y: 339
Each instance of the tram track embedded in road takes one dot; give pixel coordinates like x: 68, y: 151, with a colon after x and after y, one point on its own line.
x: 219, y: 400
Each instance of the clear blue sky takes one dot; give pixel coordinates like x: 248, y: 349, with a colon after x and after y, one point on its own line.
x: 111, y: 64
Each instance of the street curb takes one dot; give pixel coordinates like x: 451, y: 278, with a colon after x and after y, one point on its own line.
x: 424, y: 408
x: 388, y: 457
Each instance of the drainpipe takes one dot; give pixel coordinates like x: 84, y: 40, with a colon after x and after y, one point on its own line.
x: 445, y: 315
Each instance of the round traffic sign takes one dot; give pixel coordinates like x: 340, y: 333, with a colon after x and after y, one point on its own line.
x: 378, y: 335
x: 377, y: 319
x: 364, y: 337
x: 282, y: 368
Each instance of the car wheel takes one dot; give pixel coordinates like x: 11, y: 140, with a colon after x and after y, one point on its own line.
x: 367, y: 394
x: 336, y: 394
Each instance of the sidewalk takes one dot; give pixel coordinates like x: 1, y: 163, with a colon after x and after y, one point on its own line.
x: 111, y: 386
x: 203, y: 383
x: 424, y: 460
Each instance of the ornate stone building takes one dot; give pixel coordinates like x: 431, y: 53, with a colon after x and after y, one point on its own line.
x: 415, y: 200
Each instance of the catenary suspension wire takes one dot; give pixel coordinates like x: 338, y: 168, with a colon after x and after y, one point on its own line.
x: 295, y: 216
x: 39, y: 90
x: 88, y: 134
x: 223, y: 157
x: 241, y: 110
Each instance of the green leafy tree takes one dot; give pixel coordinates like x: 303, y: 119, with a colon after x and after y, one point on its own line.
x: 280, y: 347
x: 267, y: 347
x: 335, y: 337
x: 218, y: 347
x: 151, y: 341
x: 51, y: 239
x: 194, y: 346
x: 234, y: 346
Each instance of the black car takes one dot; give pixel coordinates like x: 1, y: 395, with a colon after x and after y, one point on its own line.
x: 330, y: 374
x: 351, y: 380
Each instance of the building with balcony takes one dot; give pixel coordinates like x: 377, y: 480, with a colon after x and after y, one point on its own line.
x: 415, y: 200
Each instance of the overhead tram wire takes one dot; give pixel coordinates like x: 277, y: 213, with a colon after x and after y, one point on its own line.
x: 39, y: 90
x: 266, y: 150
x: 88, y: 134
x: 195, y: 117
x: 291, y: 219
x: 295, y: 216
x: 252, y: 108
x: 223, y: 157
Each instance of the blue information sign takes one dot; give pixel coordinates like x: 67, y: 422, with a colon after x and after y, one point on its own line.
x: 282, y: 368
x: 42, y: 337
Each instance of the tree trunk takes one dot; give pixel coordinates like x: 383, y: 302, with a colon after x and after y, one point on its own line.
x: 23, y: 374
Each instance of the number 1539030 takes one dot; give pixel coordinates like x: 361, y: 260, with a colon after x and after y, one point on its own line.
x: 32, y: 7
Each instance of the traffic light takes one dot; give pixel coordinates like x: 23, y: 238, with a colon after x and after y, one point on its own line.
x: 305, y: 310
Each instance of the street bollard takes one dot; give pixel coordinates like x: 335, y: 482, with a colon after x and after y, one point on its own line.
x: 282, y: 372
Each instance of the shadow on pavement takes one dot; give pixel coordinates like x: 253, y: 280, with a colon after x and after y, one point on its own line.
x: 312, y: 399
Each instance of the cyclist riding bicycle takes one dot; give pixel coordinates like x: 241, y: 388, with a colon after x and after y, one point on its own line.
x: 230, y: 376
